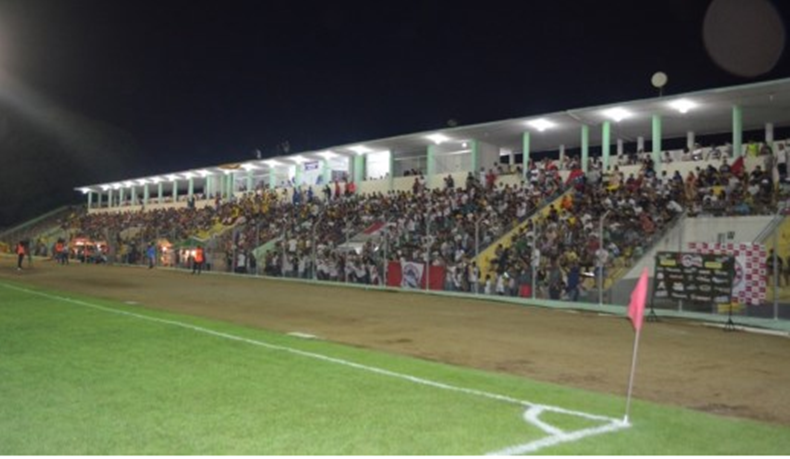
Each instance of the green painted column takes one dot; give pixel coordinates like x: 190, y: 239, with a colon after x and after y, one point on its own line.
x: 249, y: 180
x: 109, y: 198
x: 432, y: 161
x: 585, y: 147
x: 191, y: 190
x: 392, y: 171
x: 272, y: 178
x: 99, y: 196
x: 657, y: 142
x: 121, y: 196
x: 526, y: 148
x: 326, y: 171
x: 298, y: 175
x: 134, y: 196
x: 90, y: 200
x: 359, y: 168
x: 160, y: 194
x: 474, y: 145
x: 606, y: 148
x: 175, y: 190
x: 145, y: 194
x: 737, y: 131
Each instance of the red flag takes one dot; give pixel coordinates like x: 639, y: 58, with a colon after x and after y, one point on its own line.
x: 737, y: 167
x: 636, y: 309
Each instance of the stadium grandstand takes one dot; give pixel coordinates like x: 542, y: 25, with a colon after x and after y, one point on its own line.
x: 560, y: 206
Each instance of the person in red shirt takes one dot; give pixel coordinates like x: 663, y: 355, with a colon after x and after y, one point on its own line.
x: 197, y: 264
x: 20, y: 252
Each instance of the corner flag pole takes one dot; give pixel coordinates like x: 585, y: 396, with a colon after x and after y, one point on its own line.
x: 631, y: 378
x: 636, y: 312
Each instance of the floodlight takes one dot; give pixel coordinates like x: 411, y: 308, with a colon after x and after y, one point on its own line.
x: 683, y: 105
x: 617, y: 114
x: 541, y: 124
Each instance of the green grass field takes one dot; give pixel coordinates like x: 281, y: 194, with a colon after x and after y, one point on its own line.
x: 88, y: 376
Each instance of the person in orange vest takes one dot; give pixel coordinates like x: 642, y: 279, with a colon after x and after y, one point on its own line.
x: 197, y: 264
x: 20, y: 252
x: 59, y: 254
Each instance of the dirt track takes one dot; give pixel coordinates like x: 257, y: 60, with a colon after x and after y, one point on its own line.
x: 735, y: 374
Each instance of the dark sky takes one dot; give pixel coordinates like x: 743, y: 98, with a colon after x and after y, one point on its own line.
x: 195, y: 83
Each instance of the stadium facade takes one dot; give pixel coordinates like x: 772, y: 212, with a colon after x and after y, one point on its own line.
x: 380, y: 165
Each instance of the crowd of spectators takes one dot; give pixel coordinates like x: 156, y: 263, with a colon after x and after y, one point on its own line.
x: 334, y: 233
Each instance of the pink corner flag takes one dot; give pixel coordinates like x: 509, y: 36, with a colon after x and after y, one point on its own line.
x: 636, y: 309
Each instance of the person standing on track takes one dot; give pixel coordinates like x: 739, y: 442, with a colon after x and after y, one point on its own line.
x: 20, y: 252
x: 151, y: 254
x: 197, y: 264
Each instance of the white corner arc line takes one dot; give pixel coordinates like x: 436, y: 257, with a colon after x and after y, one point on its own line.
x: 530, y: 416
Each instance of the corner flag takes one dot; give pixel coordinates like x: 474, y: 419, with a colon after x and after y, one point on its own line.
x: 636, y: 308
x: 636, y: 312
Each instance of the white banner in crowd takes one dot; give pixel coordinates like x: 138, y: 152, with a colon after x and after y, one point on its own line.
x: 411, y: 274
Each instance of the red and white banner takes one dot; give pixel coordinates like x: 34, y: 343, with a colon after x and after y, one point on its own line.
x: 413, y: 275
x: 749, y: 283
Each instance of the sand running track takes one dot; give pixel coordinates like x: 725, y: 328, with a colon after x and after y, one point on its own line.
x: 680, y: 363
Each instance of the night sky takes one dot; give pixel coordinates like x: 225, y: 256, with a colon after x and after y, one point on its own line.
x: 146, y: 87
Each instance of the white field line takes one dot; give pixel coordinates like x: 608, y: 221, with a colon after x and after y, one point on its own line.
x: 556, y: 435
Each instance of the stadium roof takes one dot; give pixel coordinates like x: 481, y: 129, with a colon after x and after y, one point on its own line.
x: 704, y: 112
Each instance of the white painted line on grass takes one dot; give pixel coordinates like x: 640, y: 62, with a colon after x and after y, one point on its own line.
x: 557, y: 436
x: 302, y: 335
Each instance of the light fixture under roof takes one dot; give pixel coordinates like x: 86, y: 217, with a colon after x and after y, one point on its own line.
x: 173, y: 177
x: 117, y: 186
x: 249, y: 167
x: 106, y: 187
x: 683, y: 105
x: 541, y: 124
x: 271, y: 163
x: 156, y: 180
x: 142, y: 181
x: 85, y: 190
x: 204, y: 173
x: 128, y: 183
x: 358, y: 149
x: 617, y: 114
x: 298, y: 159
x: 438, y: 139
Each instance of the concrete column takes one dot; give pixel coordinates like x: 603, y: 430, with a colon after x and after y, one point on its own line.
x: 562, y: 153
x: 272, y: 177
x: 690, y: 140
x: 145, y: 194
x: 475, y: 147
x: 737, y: 131
x: 432, y: 161
x: 640, y: 143
x: 656, y: 139
x: 90, y: 200
x: 298, y: 175
x: 250, y: 186
x: 585, y: 147
x: 326, y: 171
x: 769, y: 135
x: 606, y: 146
x: 526, y: 146
x: 391, y: 185
x: 359, y: 168
x: 134, y: 196
x: 121, y: 196
x: 99, y: 195
x: 191, y: 191
x: 175, y: 190
x: 620, y: 148
x: 160, y: 192
x: 109, y: 199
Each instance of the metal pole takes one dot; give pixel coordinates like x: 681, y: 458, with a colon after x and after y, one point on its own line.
x: 428, y: 252
x: 345, y: 265
x: 282, y: 261
x: 255, y: 246
x: 535, y: 261
x: 600, y: 260
x: 680, y: 249
x: 777, y: 227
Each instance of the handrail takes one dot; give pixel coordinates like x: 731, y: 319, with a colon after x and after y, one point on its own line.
x: 29, y: 223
